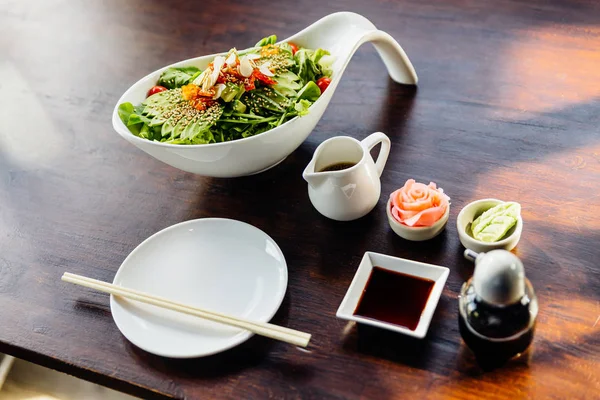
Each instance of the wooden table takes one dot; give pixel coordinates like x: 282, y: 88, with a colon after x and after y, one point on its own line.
x: 507, y: 107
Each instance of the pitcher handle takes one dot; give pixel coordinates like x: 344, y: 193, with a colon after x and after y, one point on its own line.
x: 373, y: 140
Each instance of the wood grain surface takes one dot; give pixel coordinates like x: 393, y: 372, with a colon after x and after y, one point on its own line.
x: 507, y: 107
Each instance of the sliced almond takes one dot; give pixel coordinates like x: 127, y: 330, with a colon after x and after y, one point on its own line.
x: 253, y: 56
x: 245, y: 67
x: 218, y: 90
x: 217, y: 65
x: 201, y: 78
x: 231, y: 58
x: 207, y: 82
x: 264, y: 69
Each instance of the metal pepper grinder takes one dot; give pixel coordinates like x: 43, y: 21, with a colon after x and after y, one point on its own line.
x: 497, y: 307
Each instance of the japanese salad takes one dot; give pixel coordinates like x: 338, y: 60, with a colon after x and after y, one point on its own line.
x: 241, y: 94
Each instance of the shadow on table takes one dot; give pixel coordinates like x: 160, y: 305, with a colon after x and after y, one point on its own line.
x: 284, y: 197
x: 91, y: 309
x: 396, y: 111
x: 284, y: 181
x: 255, y: 351
x: 469, y: 365
x: 427, y: 354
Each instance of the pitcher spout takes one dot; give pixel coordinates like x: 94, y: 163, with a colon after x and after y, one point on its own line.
x: 313, y: 178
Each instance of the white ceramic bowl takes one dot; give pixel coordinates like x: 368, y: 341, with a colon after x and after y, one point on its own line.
x: 416, y: 233
x: 340, y: 33
x: 473, y: 210
x: 428, y: 271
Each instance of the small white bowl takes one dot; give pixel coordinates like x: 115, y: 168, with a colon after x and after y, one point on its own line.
x: 416, y: 233
x: 473, y: 210
x: 414, y: 268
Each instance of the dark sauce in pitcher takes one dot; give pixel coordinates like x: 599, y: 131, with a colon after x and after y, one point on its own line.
x: 338, y: 166
x: 394, y: 297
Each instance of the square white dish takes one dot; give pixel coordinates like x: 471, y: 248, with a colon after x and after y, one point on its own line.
x: 436, y: 273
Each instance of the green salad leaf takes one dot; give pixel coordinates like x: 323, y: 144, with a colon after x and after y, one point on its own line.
x: 267, y: 41
x: 318, y: 54
x: 308, y: 65
x: 306, y: 68
x: 302, y: 107
x: 126, y: 112
x: 287, y: 48
x: 173, y: 78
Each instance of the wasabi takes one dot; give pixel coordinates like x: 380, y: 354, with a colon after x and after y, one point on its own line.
x: 492, y: 225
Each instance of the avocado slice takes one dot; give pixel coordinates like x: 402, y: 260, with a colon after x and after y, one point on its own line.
x: 167, y: 127
x: 190, y: 130
x: 179, y: 128
x: 239, y: 107
x: 288, y: 80
x: 287, y: 75
x: 155, y: 104
x: 286, y: 91
x: 231, y: 91
x: 157, y: 120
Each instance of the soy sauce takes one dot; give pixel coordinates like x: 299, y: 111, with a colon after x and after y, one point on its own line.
x: 338, y: 166
x: 394, y: 297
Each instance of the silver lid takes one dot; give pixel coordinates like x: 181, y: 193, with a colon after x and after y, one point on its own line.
x: 499, y: 277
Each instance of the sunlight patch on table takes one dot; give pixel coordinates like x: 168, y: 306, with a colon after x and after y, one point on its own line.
x: 549, y: 68
x: 533, y: 184
x: 562, y: 330
x: 28, y: 136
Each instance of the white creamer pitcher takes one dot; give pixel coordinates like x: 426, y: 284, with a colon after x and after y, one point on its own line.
x: 352, y: 192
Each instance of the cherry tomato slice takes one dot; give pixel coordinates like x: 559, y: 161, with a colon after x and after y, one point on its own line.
x: 323, y: 83
x: 294, y: 47
x: 156, y: 89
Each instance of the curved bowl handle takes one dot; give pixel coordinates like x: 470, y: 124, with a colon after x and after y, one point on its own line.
x: 395, y: 59
x: 346, y: 32
x: 373, y: 140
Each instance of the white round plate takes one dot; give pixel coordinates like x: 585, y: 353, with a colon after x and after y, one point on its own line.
x: 218, y: 264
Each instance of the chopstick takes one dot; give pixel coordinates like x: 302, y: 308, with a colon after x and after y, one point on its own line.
x: 260, y: 328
